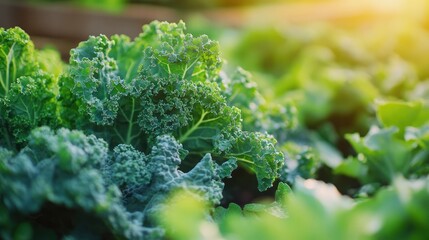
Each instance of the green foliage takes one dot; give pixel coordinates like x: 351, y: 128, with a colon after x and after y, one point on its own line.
x: 56, y: 177
x: 275, y: 208
x: 163, y: 82
x: 257, y: 112
x: 179, y: 205
x: 50, y: 61
x: 302, y: 162
x: 132, y: 99
x: 27, y: 88
x: 408, y: 220
x: 333, y: 77
x: 161, y: 175
x: 256, y: 152
x: 109, y: 6
x: 314, y: 210
x: 398, y: 149
x: 330, y: 74
x: 142, y: 133
x: 127, y: 168
x: 413, y: 114
x: 73, y: 177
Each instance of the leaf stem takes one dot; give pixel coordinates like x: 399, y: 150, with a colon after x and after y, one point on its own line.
x: 27, y: 110
x: 190, y: 66
x: 194, y: 127
x: 3, y: 84
x: 9, y: 60
x: 119, y: 135
x: 130, y: 122
x: 244, y: 160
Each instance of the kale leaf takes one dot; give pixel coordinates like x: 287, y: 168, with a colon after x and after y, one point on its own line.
x: 27, y: 88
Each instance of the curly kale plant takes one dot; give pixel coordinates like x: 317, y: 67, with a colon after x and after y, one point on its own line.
x: 96, y: 150
x: 163, y: 82
x: 53, y: 188
x: 27, y: 87
x: 74, y: 179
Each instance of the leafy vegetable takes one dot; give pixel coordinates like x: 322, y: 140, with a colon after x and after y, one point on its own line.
x: 413, y: 114
x: 398, y: 149
x: 133, y: 99
x: 163, y: 82
x: 332, y: 75
x: 27, y: 88
x: 68, y: 174
x: 139, y: 138
x: 314, y: 210
x: 158, y: 175
x: 56, y: 177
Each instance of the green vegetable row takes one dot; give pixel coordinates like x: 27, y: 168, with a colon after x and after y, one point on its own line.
x: 103, y: 137
x: 158, y: 138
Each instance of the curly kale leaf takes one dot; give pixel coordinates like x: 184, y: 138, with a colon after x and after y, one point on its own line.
x: 72, y: 177
x: 194, y: 112
x: 164, y: 176
x: 127, y: 168
x: 56, y: 177
x: 199, y: 117
x: 17, y: 57
x: 303, y: 161
x: 256, y: 152
x: 146, y: 181
x: 163, y: 82
x: 31, y: 103
x: 96, y: 81
x: 27, y: 90
x: 5, y: 153
x: 104, y: 82
x: 99, y: 94
x: 192, y: 58
x: 75, y: 150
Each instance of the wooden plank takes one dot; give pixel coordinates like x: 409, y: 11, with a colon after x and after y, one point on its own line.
x: 63, y: 21
x: 64, y: 26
